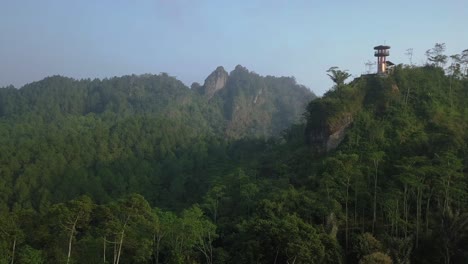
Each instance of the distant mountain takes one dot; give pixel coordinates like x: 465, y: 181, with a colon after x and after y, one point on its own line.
x: 240, y: 104
x: 253, y: 105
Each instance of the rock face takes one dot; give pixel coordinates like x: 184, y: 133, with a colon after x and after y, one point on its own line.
x: 338, y: 134
x: 214, y: 82
x: 328, y: 137
x: 330, y: 117
x: 246, y: 104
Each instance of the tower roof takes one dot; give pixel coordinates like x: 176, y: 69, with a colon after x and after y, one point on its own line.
x: 381, y: 47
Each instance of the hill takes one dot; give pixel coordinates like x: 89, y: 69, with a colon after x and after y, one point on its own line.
x: 242, y: 104
x: 376, y: 173
x: 133, y: 133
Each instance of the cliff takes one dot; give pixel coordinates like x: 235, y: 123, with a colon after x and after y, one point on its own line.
x: 330, y: 117
x: 213, y: 83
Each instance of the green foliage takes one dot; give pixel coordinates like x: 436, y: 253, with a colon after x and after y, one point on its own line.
x: 29, y: 255
x: 338, y: 76
x: 376, y: 258
x: 410, y: 138
x: 138, y: 170
x: 436, y: 55
x: 367, y: 244
x: 281, y: 239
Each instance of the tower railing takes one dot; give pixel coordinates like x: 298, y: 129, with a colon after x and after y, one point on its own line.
x: 382, y: 53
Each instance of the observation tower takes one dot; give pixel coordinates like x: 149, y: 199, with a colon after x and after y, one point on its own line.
x: 381, y: 52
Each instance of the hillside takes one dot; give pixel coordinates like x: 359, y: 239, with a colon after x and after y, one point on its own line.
x: 376, y: 173
x: 396, y: 162
x: 143, y: 133
x: 253, y: 105
x: 242, y: 104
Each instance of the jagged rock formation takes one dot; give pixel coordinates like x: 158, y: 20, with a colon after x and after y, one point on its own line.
x: 213, y: 83
x: 242, y: 104
x: 255, y: 105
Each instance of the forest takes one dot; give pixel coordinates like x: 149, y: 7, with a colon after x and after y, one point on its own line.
x: 142, y: 169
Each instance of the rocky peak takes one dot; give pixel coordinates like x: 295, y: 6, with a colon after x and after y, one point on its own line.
x: 240, y: 68
x: 215, y: 82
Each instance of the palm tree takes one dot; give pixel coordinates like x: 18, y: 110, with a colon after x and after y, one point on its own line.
x: 338, y: 76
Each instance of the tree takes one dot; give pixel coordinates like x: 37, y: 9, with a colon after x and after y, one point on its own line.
x: 464, y: 62
x: 452, y: 229
x: 73, y: 215
x: 29, y: 255
x: 200, y: 231
x: 366, y: 244
x: 344, y: 169
x: 376, y: 158
x: 279, y: 239
x: 10, y: 232
x: 212, y: 199
x: 400, y: 249
x: 160, y: 223
x: 132, y: 211
x: 436, y: 55
x: 409, y: 53
x: 338, y: 76
x: 415, y: 172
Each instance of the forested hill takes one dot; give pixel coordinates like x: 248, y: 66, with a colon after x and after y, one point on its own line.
x: 377, y: 173
x: 244, y: 104
x: 254, y: 105
x: 394, y: 164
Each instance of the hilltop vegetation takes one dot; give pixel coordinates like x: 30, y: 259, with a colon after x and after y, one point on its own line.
x: 376, y: 173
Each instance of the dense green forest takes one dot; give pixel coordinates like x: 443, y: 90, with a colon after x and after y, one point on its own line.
x: 142, y: 169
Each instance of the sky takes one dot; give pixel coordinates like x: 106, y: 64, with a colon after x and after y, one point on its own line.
x: 190, y: 38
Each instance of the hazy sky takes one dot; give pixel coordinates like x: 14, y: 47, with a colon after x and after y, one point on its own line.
x: 189, y: 39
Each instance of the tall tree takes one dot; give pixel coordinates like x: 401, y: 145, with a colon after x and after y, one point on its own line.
x: 436, y: 55
x: 73, y: 215
x: 129, y: 212
x: 338, y: 76
x: 376, y: 158
x: 10, y: 231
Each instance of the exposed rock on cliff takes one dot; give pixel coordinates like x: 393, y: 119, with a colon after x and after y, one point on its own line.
x: 246, y: 104
x: 214, y: 82
x: 329, y: 136
x: 329, y: 117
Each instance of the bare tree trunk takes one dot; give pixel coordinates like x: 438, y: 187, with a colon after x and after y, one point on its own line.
x: 363, y: 219
x: 211, y: 248
x: 418, y: 213
x: 157, y: 250
x: 397, y: 216
x: 121, y: 240
x: 447, y: 195
x: 115, y: 252
x: 157, y: 243
x: 355, y: 208
x: 346, y: 206
x: 276, y: 257
x: 13, y: 251
x: 407, y: 95
x: 447, y: 255
x: 70, y: 240
x: 427, y: 211
x: 405, y: 209
x: 216, y: 211
x: 104, y: 249
x: 450, y: 92
x: 120, y: 246
x: 374, y: 219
